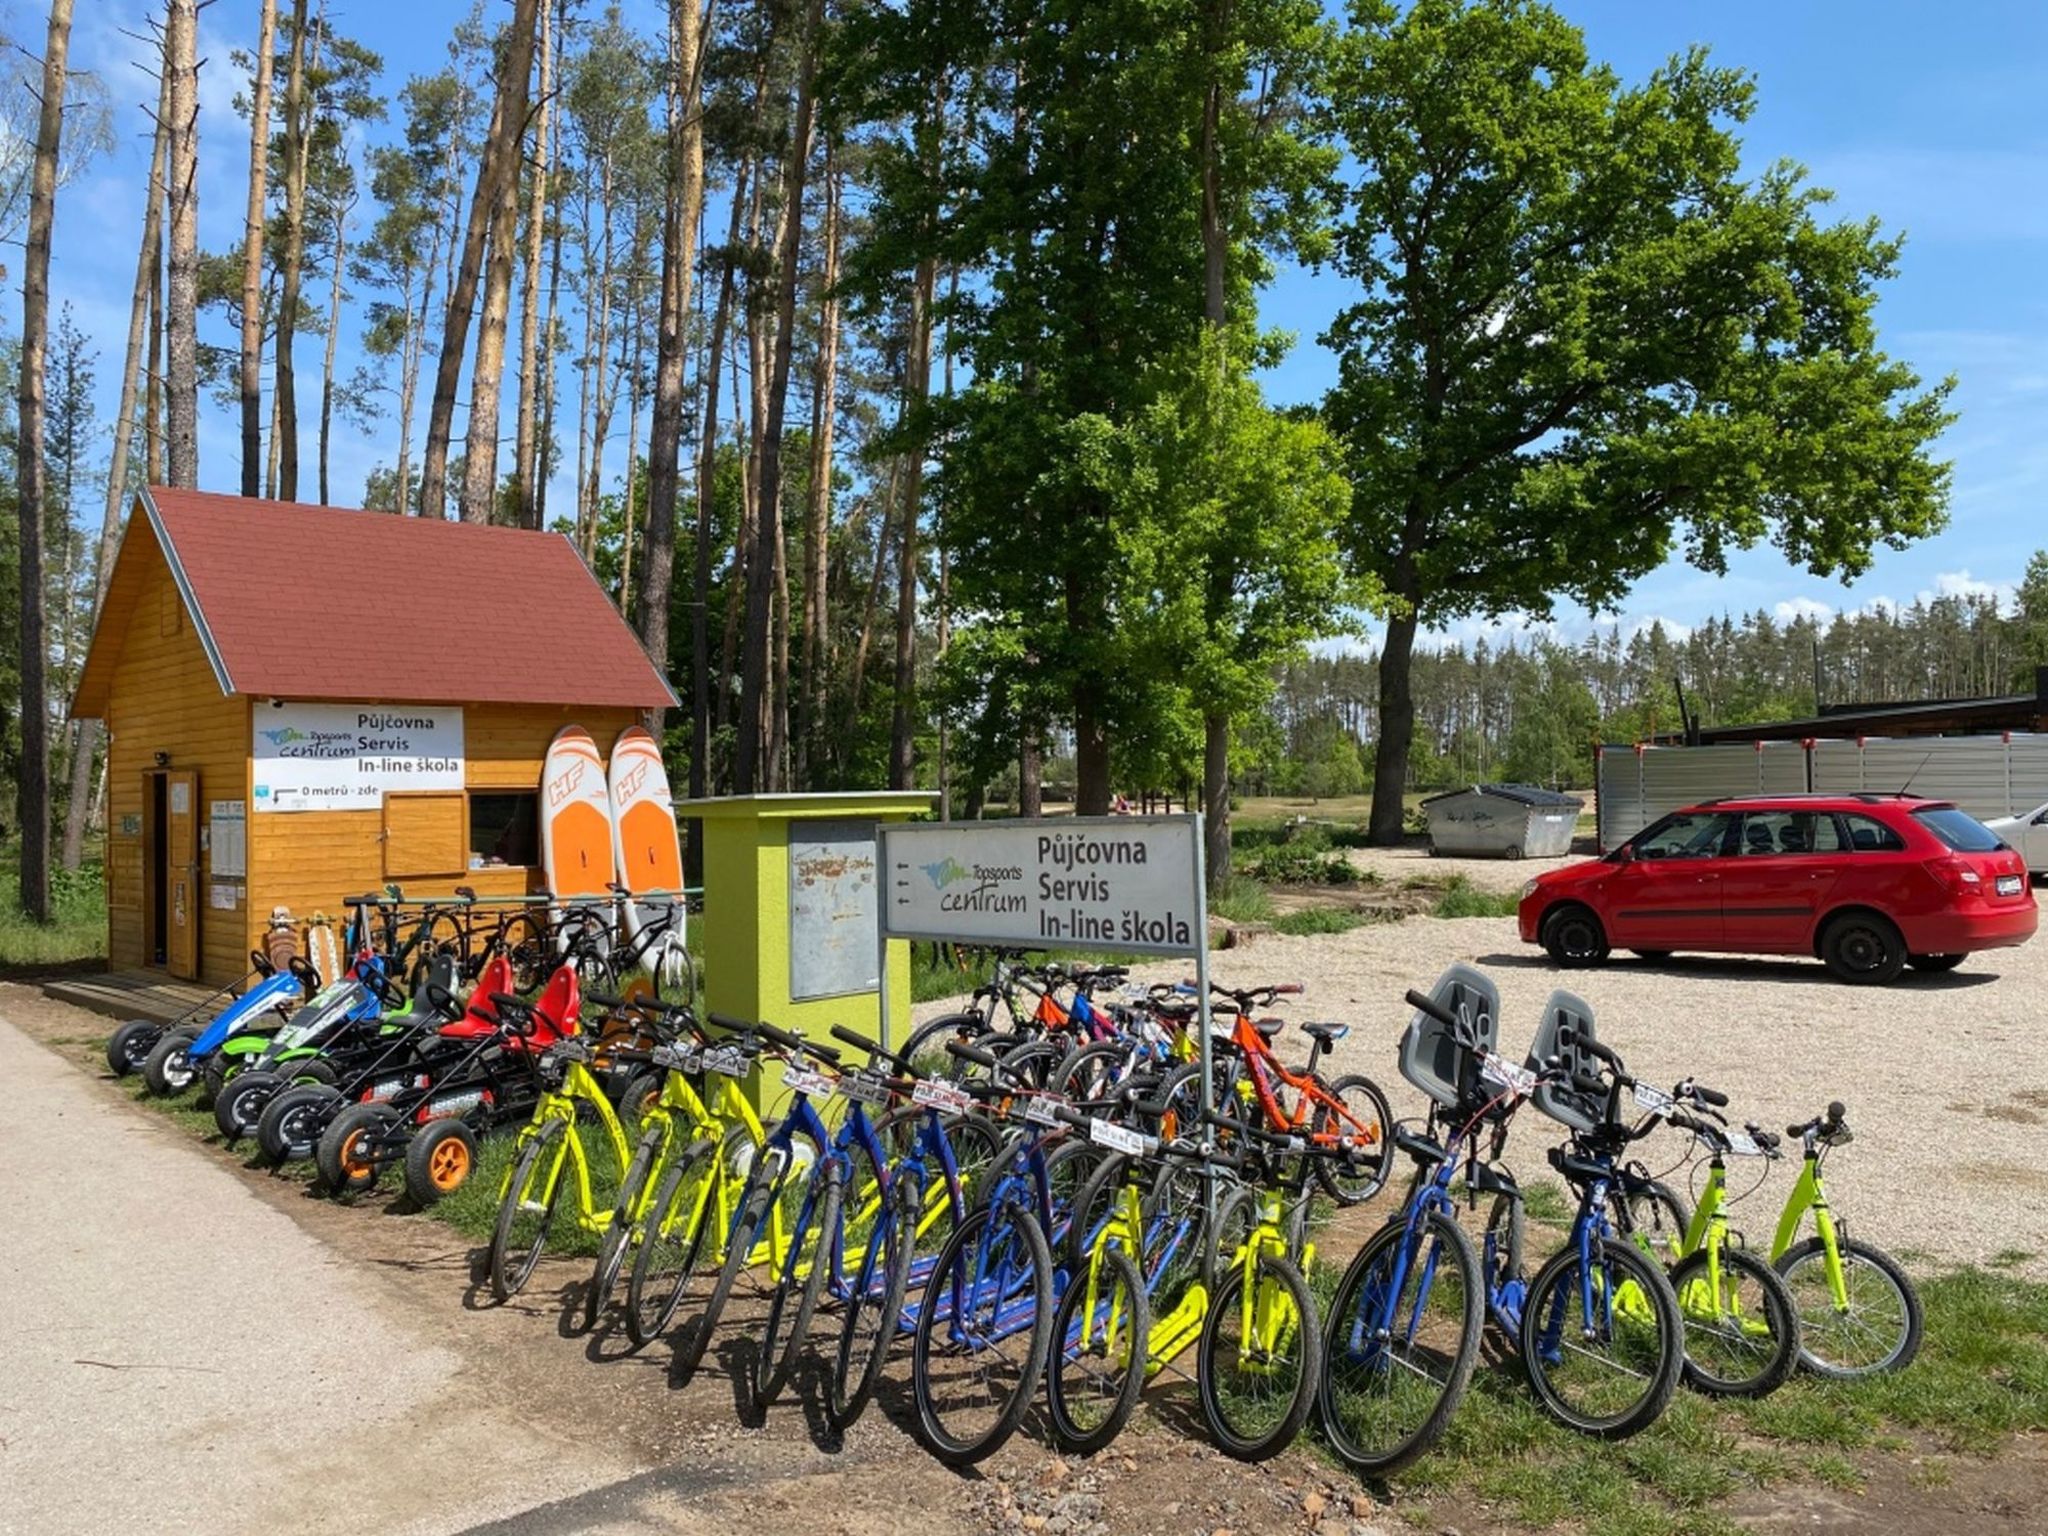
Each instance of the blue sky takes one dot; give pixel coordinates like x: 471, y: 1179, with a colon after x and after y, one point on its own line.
x: 1928, y: 117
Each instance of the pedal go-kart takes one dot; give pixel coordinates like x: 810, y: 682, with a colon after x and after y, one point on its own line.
x: 432, y: 1128
x: 183, y: 1054
x: 343, y: 1026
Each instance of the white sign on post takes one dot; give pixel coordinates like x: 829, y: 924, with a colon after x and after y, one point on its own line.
x: 347, y: 757
x: 1126, y: 883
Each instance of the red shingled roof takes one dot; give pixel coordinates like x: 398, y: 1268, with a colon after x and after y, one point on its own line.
x: 304, y: 602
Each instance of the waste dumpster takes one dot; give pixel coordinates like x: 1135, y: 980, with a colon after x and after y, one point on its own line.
x: 1502, y: 821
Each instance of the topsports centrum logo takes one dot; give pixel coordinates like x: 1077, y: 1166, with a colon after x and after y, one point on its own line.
x: 946, y: 871
x: 284, y: 737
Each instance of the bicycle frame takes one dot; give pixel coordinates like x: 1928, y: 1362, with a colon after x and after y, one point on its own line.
x: 560, y: 1104
x: 1808, y: 1194
x: 1264, y: 1066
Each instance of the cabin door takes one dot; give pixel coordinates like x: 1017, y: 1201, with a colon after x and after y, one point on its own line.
x: 172, y: 898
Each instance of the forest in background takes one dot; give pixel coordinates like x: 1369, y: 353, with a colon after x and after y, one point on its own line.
x: 893, y: 362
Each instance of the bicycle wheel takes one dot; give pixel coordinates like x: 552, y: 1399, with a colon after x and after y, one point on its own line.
x: 1656, y: 1218
x: 982, y: 1333
x: 1090, y: 1074
x: 527, y: 1210
x: 1500, y: 1245
x: 1400, y: 1343
x: 618, y: 1236
x: 1600, y: 1363
x: 1259, y: 1359
x: 874, y: 1302
x: 675, y: 1242
x: 524, y: 941
x: 807, y: 1260
x: 1096, y: 1366
x: 926, y: 1047
x: 1741, y: 1327
x: 766, y: 1175
x: 1879, y: 1328
x: 1370, y: 1140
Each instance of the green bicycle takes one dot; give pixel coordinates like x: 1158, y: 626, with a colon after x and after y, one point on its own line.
x: 1859, y: 1314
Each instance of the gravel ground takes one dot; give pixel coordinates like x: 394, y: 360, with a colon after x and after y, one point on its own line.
x: 1945, y: 1077
x: 1412, y: 861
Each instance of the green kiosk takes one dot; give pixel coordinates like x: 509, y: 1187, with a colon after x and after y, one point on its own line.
x: 791, y: 931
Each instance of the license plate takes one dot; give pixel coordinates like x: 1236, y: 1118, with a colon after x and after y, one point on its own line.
x: 1651, y: 1101
x: 1039, y: 1111
x: 1742, y: 1144
x: 2009, y: 885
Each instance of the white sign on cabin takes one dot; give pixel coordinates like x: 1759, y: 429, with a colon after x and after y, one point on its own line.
x: 1125, y: 883
x: 347, y: 757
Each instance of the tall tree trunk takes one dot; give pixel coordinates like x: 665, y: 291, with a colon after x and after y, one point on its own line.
x: 755, y: 657
x: 818, y: 514
x: 543, y: 448
x: 682, y: 205
x: 525, y: 451
x: 707, y: 472
x: 298, y: 149
x: 33, y: 788
x: 775, y: 776
x: 156, y: 433
x: 632, y: 463
x: 334, y: 291
x: 858, y: 676
x: 181, y: 300
x: 744, y: 540
x: 917, y: 389
x: 252, y: 254
x: 597, y: 367
x: 500, y: 158
x: 1397, y: 731
x: 1030, y: 774
x: 945, y: 620
x: 149, y: 258
x: 487, y: 377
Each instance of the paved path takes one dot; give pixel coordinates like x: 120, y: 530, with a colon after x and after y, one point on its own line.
x: 176, y: 1355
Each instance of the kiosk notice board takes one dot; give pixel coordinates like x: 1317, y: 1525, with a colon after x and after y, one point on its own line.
x: 1132, y: 884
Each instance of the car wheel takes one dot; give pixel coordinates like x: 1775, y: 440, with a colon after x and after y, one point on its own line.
x: 1933, y: 964
x: 1512, y: 851
x: 1574, y: 937
x: 1863, y: 948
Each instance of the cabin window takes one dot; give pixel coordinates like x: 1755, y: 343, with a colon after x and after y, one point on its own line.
x: 504, y: 829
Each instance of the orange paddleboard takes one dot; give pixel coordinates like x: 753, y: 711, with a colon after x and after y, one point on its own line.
x: 575, y: 817
x: 644, y: 841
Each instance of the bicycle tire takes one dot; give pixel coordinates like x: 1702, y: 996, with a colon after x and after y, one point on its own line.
x: 1348, y: 1360
x: 857, y: 1365
x: 928, y: 1040
x: 654, y: 1292
x: 1090, y: 1074
x: 1349, y: 1189
x: 1503, y: 1236
x: 1713, y: 1337
x: 776, y: 1358
x: 513, y: 1259
x: 1120, y: 1378
x: 1622, y: 1263
x: 755, y: 1202
x: 1287, y: 1290
x: 944, y: 1296
x: 1817, y: 1321
x: 523, y: 940
x: 618, y: 1234
x: 1655, y: 1215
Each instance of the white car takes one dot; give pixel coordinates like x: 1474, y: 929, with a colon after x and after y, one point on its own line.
x: 2028, y: 833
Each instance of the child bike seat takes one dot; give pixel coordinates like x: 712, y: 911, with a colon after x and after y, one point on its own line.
x: 1566, y: 1016
x: 1432, y: 1058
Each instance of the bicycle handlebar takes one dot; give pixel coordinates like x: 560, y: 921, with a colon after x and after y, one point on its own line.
x: 1422, y: 1002
x: 861, y: 1042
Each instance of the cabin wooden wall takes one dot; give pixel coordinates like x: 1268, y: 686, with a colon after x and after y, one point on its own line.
x: 309, y: 860
x: 165, y: 699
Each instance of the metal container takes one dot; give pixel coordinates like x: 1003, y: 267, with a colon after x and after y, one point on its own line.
x: 1502, y: 821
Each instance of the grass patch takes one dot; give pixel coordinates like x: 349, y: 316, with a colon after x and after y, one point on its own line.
x: 1241, y: 900
x: 1461, y: 898
x: 77, y: 929
x: 1310, y: 921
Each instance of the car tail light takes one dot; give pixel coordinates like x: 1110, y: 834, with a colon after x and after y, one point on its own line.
x: 1957, y: 876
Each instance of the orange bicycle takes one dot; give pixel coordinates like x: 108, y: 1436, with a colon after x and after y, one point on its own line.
x: 1254, y: 1088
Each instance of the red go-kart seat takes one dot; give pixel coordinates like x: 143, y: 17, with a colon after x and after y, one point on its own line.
x: 481, y: 1018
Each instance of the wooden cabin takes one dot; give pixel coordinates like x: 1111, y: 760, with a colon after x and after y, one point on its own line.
x: 305, y: 702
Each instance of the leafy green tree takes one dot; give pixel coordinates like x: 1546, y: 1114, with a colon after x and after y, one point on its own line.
x: 2033, y: 619
x: 1584, y: 341
x: 1556, y: 718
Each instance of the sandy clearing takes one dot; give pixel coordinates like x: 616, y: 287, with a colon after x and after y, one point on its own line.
x: 1413, y: 862
x: 1945, y: 1077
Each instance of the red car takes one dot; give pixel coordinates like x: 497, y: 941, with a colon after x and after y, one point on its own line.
x: 1868, y: 883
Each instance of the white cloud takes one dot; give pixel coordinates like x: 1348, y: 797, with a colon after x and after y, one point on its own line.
x: 1963, y: 584
x: 1794, y: 609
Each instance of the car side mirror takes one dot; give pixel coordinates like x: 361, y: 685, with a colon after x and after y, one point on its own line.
x: 1625, y: 854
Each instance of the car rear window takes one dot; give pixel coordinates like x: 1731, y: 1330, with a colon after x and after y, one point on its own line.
x: 1960, y: 830
x: 1869, y: 835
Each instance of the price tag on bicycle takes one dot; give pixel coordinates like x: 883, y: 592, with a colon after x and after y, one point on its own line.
x: 1742, y: 1144
x: 1038, y: 1109
x: 803, y: 1080
x: 1506, y: 1074
x: 864, y: 1088
x: 675, y: 1058
x: 1652, y: 1101
x: 1117, y: 1138
x: 726, y: 1061
x: 931, y: 1093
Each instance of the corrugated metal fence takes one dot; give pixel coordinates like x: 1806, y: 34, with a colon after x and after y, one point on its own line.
x: 1985, y: 775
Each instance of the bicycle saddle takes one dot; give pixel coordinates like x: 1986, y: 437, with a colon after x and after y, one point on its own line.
x: 1326, y: 1030
x: 1268, y: 1027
